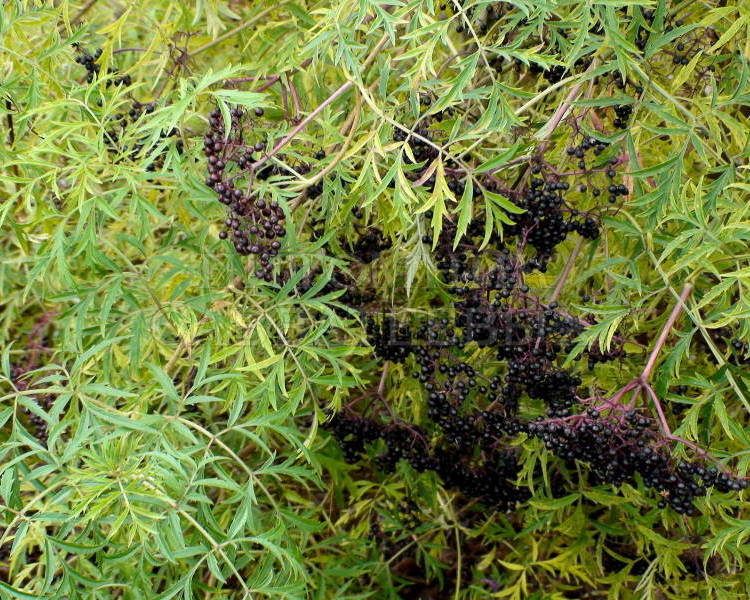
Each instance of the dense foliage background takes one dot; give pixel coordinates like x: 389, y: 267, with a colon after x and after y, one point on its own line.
x: 163, y: 409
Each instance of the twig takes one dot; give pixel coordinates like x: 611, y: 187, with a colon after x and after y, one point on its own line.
x: 446, y: 62
x: 235, y: 80
x: 291, y: 135
x: 285, y: 102
x: 338, y: 93
x: 121, y: 50
x: 458, y: 566
x: 84, y: 9
x: 351, y: 126
x: 383, y: 377
x: 563, y: 109
x: 659, y: 410
x: 646, y: 374
x: 566, y: 271
x: 270, y: 79
x: 510, y: 163
x: 670, y: 436
x: 295, y: 99
x: 237, y: 29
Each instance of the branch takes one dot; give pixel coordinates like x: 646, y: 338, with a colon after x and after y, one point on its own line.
x: 562, y: 110
x: 338, y: 93
x: 383, y: 376
x: 84, y: 9
x: 566, y: 271
x: 291, y: 135
x: 237, y: 29
x: 646, y: 374
x: 121, y: 50
x: 670, y: 436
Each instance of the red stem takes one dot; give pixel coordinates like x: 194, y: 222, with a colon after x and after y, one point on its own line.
x: 665, y: 332
x: 291, y: 135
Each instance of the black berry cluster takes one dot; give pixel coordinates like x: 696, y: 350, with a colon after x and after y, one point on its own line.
x: 622, y: 117
x: 117, y: 125
x: 557, y: 73
x: 597, y: 355
x: 621, y: 446
x: 475, y: 412
x: 390, y: 339
x: 255, y: 225
x: 88, y: 60
x: 420, y: 148
x: 490, y: 479
x: 368, y: 246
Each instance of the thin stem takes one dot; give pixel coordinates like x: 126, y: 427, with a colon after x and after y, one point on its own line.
x: 510, y: 163
x: 333, y: 97
x: 566, y: 270
x: 646, y: 374
x: 269, y: 79
x: 659, y: 410
x: 624, y: 390
x: 295, y: 99
x: 121, y: 50
x: 670, y: 436
x: 562, y: 110
x: 458, y: 566
x: 84, y: 9
x: 237, y: 29
x: 446, y: 62
x: 285, y: 101
x: 351, y: 127
x: 383, y: 377
x: 235, y: 80
x: 291, y: 135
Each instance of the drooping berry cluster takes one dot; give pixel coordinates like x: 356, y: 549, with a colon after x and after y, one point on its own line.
x: 489, y: 478
x: 390, y: 339
x: 598, y: 355
x: 254, y: 224
x: 625, y: 444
